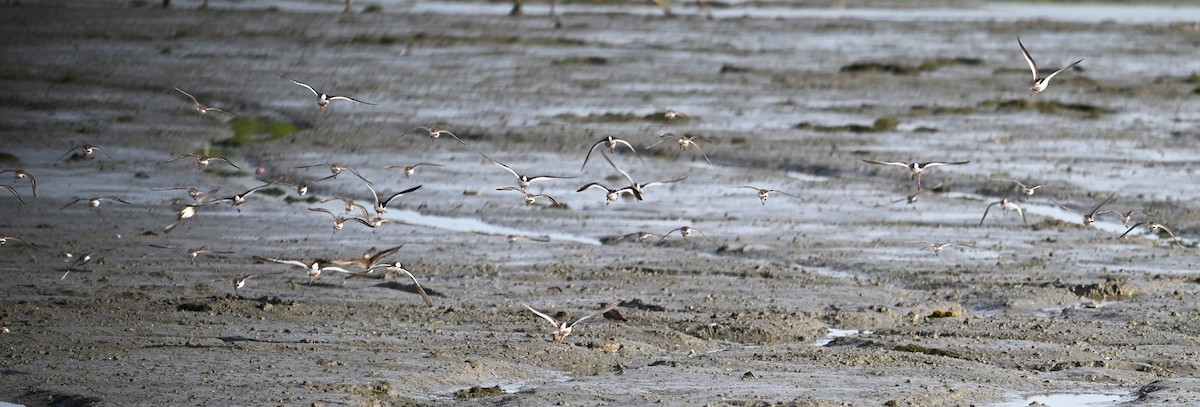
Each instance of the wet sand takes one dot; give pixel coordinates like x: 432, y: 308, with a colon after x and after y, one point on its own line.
x: 746, y: 316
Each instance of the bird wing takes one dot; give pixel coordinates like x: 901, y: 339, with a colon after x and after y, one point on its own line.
x: 388, y: 201
x: 188, y: 95
x: 1064, y: 68
x: 905, y: 165
x: 226, y: 160
x: 310, y: 88
x: 540, y: 314
x: 514, y: 172
x: 1029, y: 59
x: 606, y: 308
x: 350, y: 99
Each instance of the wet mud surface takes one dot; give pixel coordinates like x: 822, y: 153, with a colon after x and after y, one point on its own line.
x: 830, y: 299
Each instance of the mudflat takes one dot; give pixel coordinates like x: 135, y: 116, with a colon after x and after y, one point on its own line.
x: 834, y: 296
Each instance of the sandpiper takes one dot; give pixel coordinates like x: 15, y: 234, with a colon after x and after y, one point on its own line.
x: 198, y: 195
x: 1126, y: 217
x: 14, y: 192
x: 434, y: 133
x: 192, y: 253
x: 237, y: 282
x: 81, y: 261
x: 910, y: 199
x: 1005, y: 204
x: 639, y: 189
x: 237, y: 200
x: 915, y: 168
x: 87, y: 150
x: 381, y: 205
x: 685, y: 141
x: 368, y: 260
x: 611, y: 195
x: 410, y: 169
x: 420, y: 290
x: 323, y: 99
x: 684, y: 231
x: 522, y: 180
x: 1089, y: 217
x: 669, y: 113
x: 5, y: 239
x: 203, y: 160
x: 302, y: 188
x: 95, y: 201
x: 348, y: 203
x: 937, y: 247
x: 611, y: 143
x: 314, y: 268
x: 185, y: 213
x: 1028, y: 190
x: 1040, y: 83
x: 1154, y: 227
x: 562, y: 329
x: 336, y: 169
x: 639, y: 236
x: 202, y: 108
x: 531, y: 198
x: 18, y: 174
x: 764, y: 193
x: 338, y: 221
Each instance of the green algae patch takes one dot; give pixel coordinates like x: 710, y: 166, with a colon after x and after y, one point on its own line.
x: 249, y: 130
x: 928, y: 351
x: 882, y: 124
x: 478, y: 392
x: 1047, y: 106
x: 927, y: 65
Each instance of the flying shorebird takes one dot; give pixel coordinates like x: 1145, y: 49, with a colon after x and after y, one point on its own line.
x: 80, y: 262
x: 18, y: 174
x: 410, y: 169
x: 237, y: 282
x: 302, y: 189
x: 201, y: 108
x: 1005, y: 204
x: 1090, y: 217
x: 611, y: 143
x: 639, y: 236
x: 916, y: 169
x: 198, y: 195
x: 314, y: 267
x: 192, y: 253
x: 562, y: 329
x: 531, y: 198
x: 434, y: 133
x: 398, y: 267
x: 685, y: 141
x: 611, y: 195
x: 911, y: 199
x: 14, y: 192
x: 323, y: 99
x: 1040, y: 83
x: 340, y: 221
x: 639, y: 189
x: 87, y: 150
x: 669, y: 113
x: 185, y: 213
x: 1153, y: 227
x: 95, y: 201
x: 1126, y: 217
x: 1025, y: 189
x: 203, y: 160
x: 337, y: 169
x: 368, y: 260
x: 381, y: 205
x: 684, y: 231
x: 349, y: 203
x: 237, y: 200
x: 5, y: 239
x: 764, y: 193
x: 937, y: 247
x: 522, y: 180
